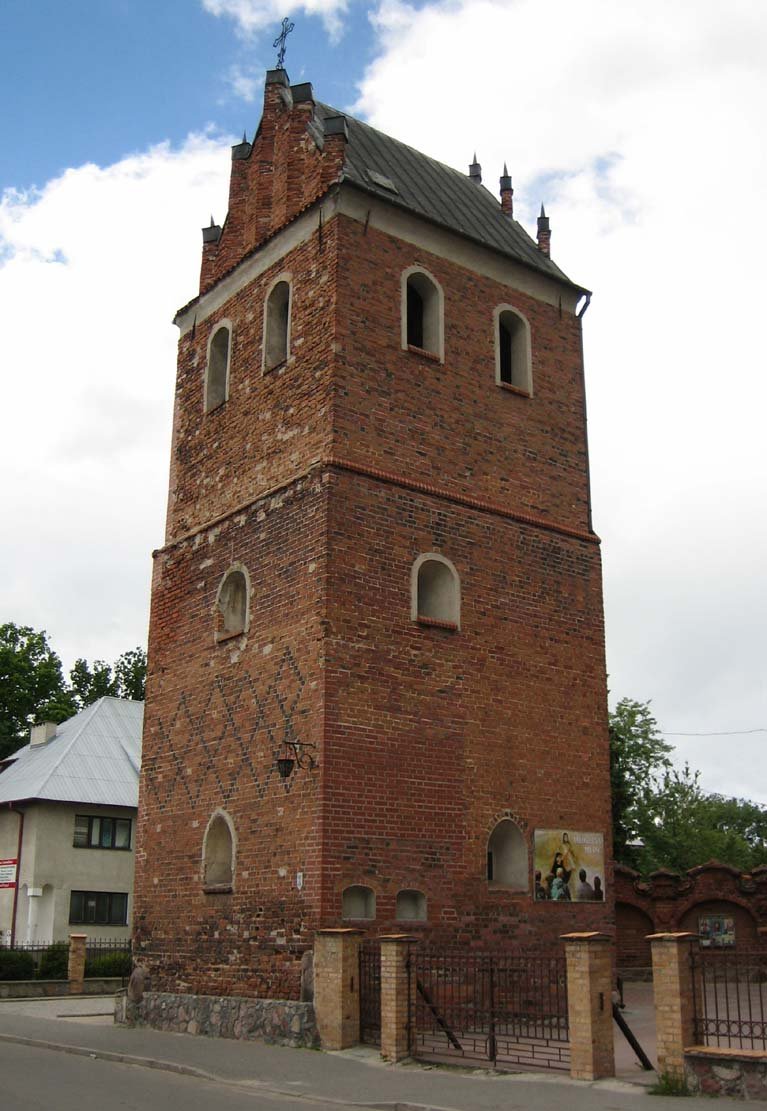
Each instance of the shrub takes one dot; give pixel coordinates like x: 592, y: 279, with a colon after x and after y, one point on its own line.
x: 54, y: 962
x: 15, y: 965
x: 110, y: 964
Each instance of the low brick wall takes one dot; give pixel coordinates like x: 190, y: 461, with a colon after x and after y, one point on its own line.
x: 277, y: 1021
x: 739, y: 1073
x: 44, y: 989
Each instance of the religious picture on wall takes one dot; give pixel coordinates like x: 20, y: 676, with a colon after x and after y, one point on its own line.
x: 717, y: 931
x: 569, y: 866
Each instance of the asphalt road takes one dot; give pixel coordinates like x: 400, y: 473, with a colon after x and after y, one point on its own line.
x: 39, y: 1080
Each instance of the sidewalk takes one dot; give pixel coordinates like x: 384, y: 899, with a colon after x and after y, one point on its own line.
x: 353, y: 1078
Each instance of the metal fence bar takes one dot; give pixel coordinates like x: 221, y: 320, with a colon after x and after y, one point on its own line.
x: 505, y: 1007
x: 729, y: 997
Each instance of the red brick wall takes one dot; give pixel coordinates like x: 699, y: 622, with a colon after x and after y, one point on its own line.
x: 425, y: 737
x: 275, y: 423
x: 433, y: 735
x: 216, y: 717
x: 451, y: 424
x: 668, y: 902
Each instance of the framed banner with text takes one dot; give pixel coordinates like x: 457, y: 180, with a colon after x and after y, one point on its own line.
x: 569, y: 866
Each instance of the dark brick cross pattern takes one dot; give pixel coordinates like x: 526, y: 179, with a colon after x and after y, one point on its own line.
x: 213, y: 730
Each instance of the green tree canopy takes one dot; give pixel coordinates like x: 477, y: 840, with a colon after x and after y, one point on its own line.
x: 639, y: 758
x: 33, y: 688
x: 662, y: 818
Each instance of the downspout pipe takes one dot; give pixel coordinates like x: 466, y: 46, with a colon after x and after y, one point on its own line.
x: 18, y: 873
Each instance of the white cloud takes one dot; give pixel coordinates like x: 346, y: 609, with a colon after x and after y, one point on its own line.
x: 252, y: 16
x: 245, y: 83
x: 640, y: 125
x: 92, y: 269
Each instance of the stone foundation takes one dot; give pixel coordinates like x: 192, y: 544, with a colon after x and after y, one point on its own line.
x: 279, y: 1022
x: 739, y: 1073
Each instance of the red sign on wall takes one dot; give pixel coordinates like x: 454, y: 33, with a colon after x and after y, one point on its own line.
x: 8, y: 873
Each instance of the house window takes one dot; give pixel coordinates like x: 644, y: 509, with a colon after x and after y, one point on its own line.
x: 411, y: 906
x: 217, y: 372
x: 507, y: 856
x: 218, y: 852
x: 277, y: 325
x: 93, y: 832
x: 435, y: 592
x: 358, y: 901
x: 513, y: 361
x: 98, y: 908
x: 232, y: 603
x: 422, y: 314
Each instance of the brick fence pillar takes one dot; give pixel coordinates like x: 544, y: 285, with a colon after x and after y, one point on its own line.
x: 337, y: 987
x: 76, y: 963
x: 589, y: 1005
x: 674, y: 1004
x: 395, y: 996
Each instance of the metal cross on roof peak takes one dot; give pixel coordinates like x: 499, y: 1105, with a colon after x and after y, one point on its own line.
x: 279, y: 42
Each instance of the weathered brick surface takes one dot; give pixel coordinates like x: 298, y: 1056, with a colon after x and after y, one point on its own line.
x: 326, y: 478
x: 450, y: 424
x: 671, y: 902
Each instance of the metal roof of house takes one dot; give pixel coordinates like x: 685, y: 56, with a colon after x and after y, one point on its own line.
x: 438, y: 192
x: 93, y: 758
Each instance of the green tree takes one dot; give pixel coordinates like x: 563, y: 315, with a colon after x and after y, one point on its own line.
x: 130, y: 674
x: 683, y: 827
x: 91, y: 682
x: 32, y: 687
x: 638, y: 761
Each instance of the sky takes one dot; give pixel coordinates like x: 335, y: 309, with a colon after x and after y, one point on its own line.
x: 639, y: 124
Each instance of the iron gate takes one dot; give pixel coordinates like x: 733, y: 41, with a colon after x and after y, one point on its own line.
x: 370, y: 992
x: 505, y: 1009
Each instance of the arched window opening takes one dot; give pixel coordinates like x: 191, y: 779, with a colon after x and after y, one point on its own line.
x: 423, y: 314
x: 218, y: 853
x: 513, y: 360
x: 414, y: 316
x: 507, y: 856
x: 358, y: 901
x: 437, y: 591
x: 411, y: 906
x: 217, y: 377
x: 233, y: 604
x: 277, y: 326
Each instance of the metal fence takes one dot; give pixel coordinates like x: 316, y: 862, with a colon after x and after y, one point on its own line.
x: 730, y: 997
x: 503, y: 1008
x: 370, y: 992
x: 104, y: 957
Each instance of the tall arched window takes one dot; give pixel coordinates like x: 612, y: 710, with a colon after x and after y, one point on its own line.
x: 507, y: 856
x: 435, y: 591
x: 358, y: 901
x: 422, y: 313
x: 277, y: 325
x: 232, y: 603
x: 218, y: 852
x: 217, y: 370
x: 513, y: 359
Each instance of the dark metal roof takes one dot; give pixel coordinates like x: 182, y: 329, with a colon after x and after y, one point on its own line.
x: 441, y: 194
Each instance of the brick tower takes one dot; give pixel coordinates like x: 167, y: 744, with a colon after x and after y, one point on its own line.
x: 376, y: 691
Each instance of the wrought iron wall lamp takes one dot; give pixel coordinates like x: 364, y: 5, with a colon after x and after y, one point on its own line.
x: 295, y: 754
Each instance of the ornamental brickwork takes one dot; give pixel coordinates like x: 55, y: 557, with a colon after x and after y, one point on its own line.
x: 326, y: 477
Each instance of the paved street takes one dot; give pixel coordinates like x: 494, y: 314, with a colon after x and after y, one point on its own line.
x: 92, y: 1062
x: 37, y: 1079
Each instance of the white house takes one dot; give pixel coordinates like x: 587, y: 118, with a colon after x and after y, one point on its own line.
x: 68, y: 805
